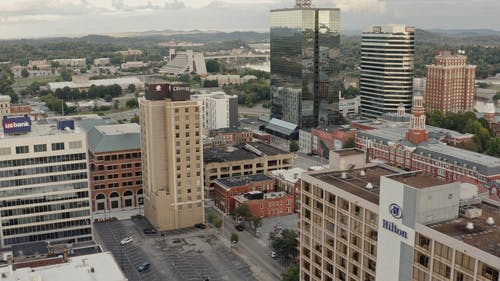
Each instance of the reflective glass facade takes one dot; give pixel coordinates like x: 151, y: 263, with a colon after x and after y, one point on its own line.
x: 304, y: 45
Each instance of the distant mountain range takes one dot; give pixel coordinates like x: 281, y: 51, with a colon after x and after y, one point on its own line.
x: 153, y: 37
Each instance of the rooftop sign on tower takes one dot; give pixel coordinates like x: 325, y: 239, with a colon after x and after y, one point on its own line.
x: 303, y: 3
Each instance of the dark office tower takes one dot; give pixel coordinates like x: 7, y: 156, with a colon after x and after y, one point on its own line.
x: 304, y: 45
x: 387, y: 54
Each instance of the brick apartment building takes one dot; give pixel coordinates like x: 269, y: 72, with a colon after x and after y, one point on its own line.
x: 230, y: 136
x: 115, y: 167
x: 225, y: 189
x: 289, y: 182
x: 450, y: 83
x: 266, y: 205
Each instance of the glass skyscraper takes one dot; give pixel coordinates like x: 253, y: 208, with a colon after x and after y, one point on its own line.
x: 304, y: 47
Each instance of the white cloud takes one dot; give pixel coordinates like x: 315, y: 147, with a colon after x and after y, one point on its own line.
x: 378, y: 6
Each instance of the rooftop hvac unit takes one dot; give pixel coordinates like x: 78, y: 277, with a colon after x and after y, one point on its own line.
x: 490, y: 221
x: 343, y: 175
x: 472, y: 212
x: 469, y: 226
x: 369, y: 186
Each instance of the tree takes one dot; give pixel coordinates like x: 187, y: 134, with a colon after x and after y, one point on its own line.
x: 285, y: 245
x: 83, y: 70
x: 257, y: 222
x: 218, y: 223
x: 243, y: 211
x: 210, y: 83
x: 185, y: 78
x: 213, y: 66
x: 66, y: 74
x: 134, y: 119
x: 132, y: 103
x: 234, y: 237
x: 294, y: 146
x: 116, y: 104
x: 131, y: 88
x: 25, y: 73
x: 108, y: 98
x: 292, y: 273
x: 349, y: 143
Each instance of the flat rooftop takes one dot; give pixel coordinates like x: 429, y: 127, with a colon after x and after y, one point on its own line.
x: 242, y: 180
x: 417, y: 180
x: 355, y: 183
x: 349, y: 151
x: 484, y: 237
x: 94, y: 267
x: 244, y: 151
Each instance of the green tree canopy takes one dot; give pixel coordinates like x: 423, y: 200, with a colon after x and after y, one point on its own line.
x: 131, y: 88
x: 291, y: 273
x: 25, y: 73
x: 285, y: 244
x: 294, y: 146
x: 213, y: 66
x: 243, y: 211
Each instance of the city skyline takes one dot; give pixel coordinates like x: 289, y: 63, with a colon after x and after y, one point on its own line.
x: 34, y: 18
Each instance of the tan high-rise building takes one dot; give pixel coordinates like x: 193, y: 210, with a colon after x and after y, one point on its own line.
x: 379, y: 223
x: 172, y: 156
x: 450, y: 83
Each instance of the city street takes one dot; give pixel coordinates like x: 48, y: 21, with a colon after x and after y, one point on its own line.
x: 254, y: 252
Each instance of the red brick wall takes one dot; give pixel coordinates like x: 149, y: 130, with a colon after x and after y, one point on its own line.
x: 226, y: 197
x: 272, y: 207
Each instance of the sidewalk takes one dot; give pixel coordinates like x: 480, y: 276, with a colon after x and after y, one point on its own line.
x: 119, y: 214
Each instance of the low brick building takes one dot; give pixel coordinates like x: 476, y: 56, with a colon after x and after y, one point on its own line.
x: 289, y: 182
x: 225, y: 189
x: 115, y: 167
x: 230, y: 136
x: 265, y: 205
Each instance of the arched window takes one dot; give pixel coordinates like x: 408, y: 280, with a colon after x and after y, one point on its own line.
x: 100, y: 196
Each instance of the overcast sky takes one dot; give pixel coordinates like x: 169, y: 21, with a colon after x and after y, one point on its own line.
x: 44, y: 18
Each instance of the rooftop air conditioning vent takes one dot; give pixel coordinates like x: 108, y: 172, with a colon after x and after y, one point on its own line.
x: 469, y: 226
x: 472, y: 212
x: 362, y: 173
x: 343, y: 175
x: 490, y: 221
x: 369, y: 186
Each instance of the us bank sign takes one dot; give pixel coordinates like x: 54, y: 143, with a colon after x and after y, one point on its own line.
x: 395, y: 211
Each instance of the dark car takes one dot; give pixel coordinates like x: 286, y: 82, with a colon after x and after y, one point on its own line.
x: 240, y: 227
x: 149, y: 231
x: 200, y: 226
x: 144, y: 266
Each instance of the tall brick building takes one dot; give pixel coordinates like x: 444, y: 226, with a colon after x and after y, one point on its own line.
x: 450, y: 83
x: 115, y: 167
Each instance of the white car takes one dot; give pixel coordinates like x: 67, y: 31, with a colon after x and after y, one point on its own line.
x: 274, y: 255
x: 126, y: 240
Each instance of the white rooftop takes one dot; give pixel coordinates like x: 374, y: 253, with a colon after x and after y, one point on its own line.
x: 78, y: 268
x: 290, y: 175
x: 119, y: 129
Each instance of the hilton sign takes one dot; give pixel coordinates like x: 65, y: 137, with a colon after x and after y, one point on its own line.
x: 396, y: 211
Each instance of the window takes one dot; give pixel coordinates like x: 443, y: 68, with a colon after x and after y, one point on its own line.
x: 22, y: 149
x: 58, y: 146
x: 40, y: 147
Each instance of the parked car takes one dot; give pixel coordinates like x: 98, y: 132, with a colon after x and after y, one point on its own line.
x: 149, y: 231
x: 240, y: 227
x: 144, y: 266
x: 274, y: 255
x: 126, y: 240
x: 200, y: 226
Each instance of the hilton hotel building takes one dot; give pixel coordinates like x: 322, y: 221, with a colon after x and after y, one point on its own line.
x: 172, y: 156
x: 44, y: 185
x: 378, y: 223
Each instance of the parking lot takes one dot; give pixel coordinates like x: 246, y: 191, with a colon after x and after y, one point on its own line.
x: 187, y: 254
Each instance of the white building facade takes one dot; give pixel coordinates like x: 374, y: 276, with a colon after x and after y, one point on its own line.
x: 219, y: 110
x: 44, y: 185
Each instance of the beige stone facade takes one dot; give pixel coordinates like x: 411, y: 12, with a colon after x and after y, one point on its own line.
x: 172, y: 162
